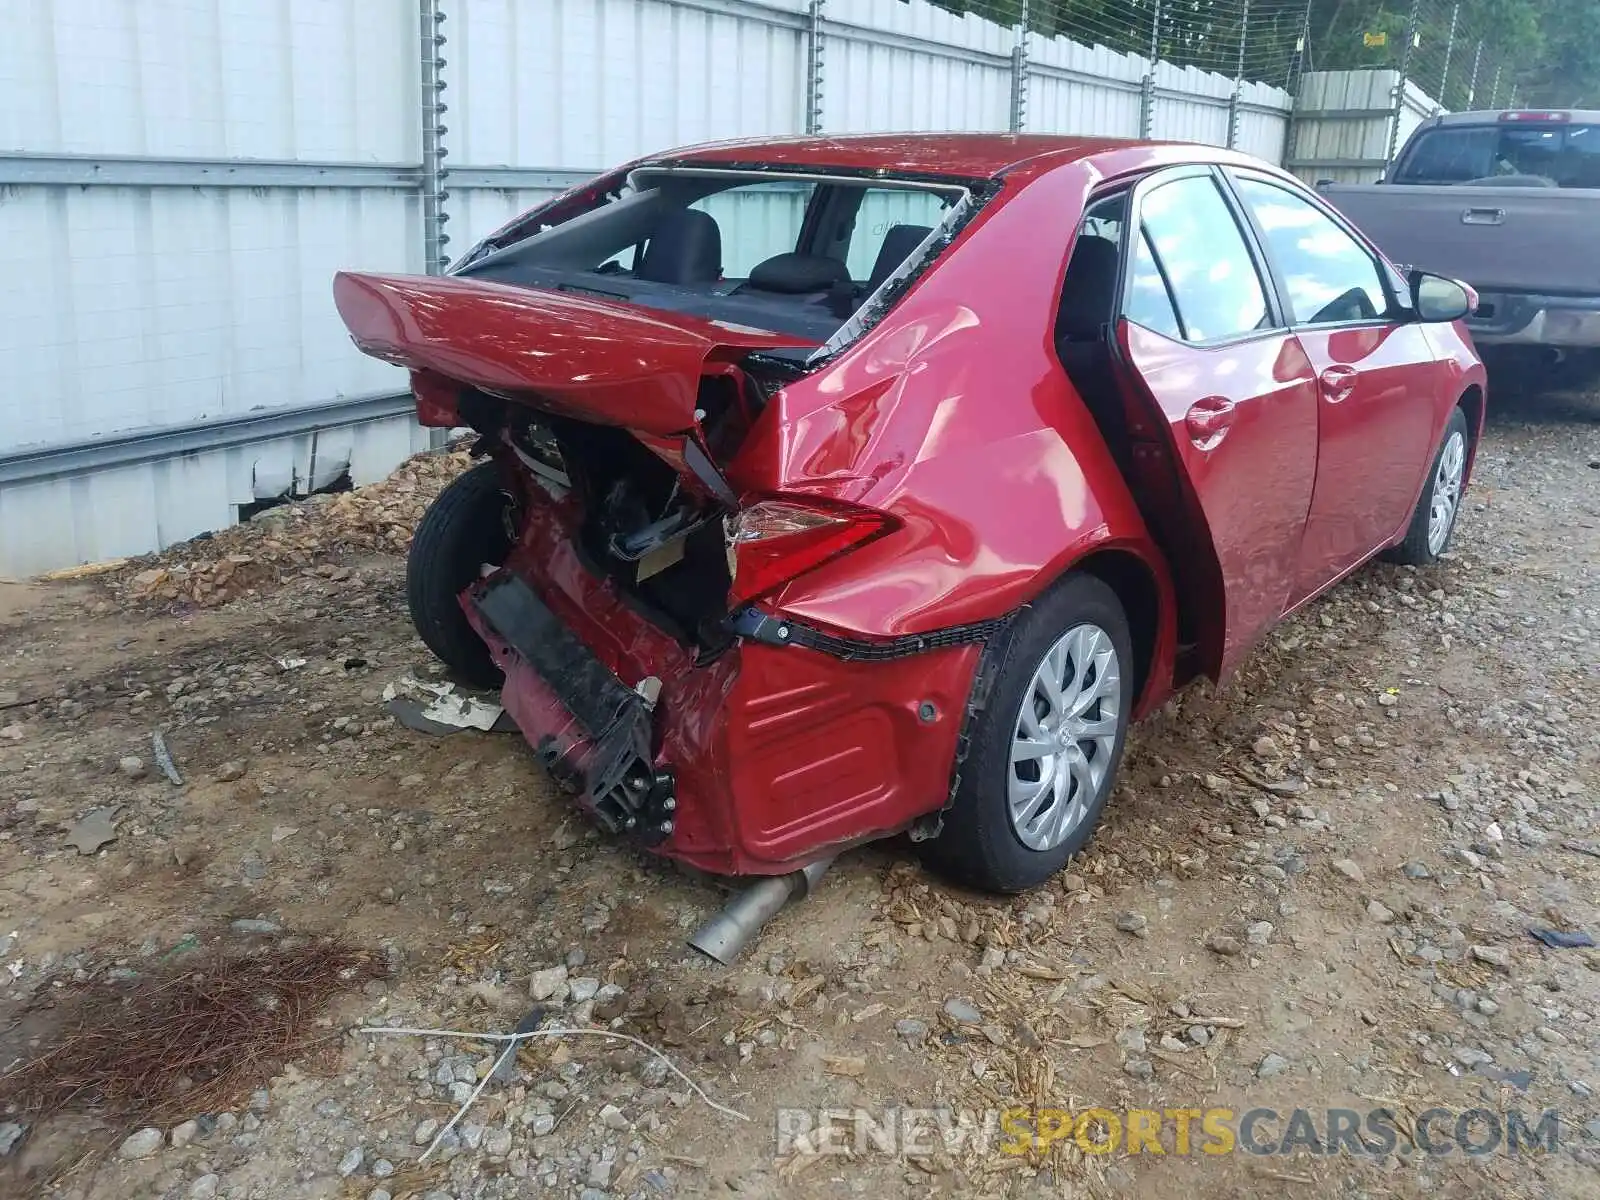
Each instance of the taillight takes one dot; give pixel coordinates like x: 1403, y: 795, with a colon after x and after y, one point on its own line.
x: 1522, y: 115
x: 774, y: 541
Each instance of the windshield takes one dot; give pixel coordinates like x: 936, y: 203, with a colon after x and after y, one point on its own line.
x: 773, y: 249
x: 1563, y: 155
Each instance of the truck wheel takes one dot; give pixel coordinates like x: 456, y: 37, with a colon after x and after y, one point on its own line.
x: 464, y: 528
x: 1044, y: 749
x: 1435, y: 517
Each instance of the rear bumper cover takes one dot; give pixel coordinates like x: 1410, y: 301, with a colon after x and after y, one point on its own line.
x: 759, y: 762
x: 1512, y: 318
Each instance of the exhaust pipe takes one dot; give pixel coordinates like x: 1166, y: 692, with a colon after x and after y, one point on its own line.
x: 731, y: 929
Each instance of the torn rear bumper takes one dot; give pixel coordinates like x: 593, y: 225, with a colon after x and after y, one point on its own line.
x: 591, y: 733
x: 757, y: 763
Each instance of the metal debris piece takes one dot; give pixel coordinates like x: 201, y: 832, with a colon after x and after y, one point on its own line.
x: 505, y: 1066
x: 1561, y: 939
x: 439, y: 709
x: 94, y: 829
x: 163, y: 757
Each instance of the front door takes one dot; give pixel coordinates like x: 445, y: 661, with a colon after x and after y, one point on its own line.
x: 1222, y: 412
x: 1376, y: 381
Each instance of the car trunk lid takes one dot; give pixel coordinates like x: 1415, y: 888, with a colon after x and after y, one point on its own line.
x: 564, y: 352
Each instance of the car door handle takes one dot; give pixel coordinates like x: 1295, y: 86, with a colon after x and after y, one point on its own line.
x: 1207, y: 420
x: 1337, y: 383
x: 1483, y: 216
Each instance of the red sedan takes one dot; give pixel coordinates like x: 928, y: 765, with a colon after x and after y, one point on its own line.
x: 841, y: 487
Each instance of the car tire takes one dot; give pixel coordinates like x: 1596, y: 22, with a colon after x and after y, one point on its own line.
x: 1434, y: 521
x: 464, y: 528
x: 1078, y: 635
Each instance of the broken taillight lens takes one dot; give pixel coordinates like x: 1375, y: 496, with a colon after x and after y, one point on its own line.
x: 774, y: 541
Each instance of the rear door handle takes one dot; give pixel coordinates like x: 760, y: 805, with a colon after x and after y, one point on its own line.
x: 1207, y: 420
x: 1338, y: 382
x: 1483, y: 216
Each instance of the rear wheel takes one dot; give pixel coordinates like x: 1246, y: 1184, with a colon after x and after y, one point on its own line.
x: 463, y: 529
x: 1434, y: 520
x: 1044, y: 750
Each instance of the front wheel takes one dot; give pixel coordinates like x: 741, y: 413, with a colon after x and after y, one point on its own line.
x: 1434, y: 520
x: 1044, y: 750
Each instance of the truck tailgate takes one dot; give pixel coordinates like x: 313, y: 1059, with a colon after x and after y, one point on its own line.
x: 1498, y: 239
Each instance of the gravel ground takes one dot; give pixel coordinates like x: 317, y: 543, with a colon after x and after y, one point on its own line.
x: 1313, y: 890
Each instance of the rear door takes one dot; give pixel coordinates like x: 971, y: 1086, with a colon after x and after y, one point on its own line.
x: 1222, y: 411
x: 1378, y: 383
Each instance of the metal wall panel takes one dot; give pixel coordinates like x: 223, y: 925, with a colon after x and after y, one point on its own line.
x: 592, y: 83
x: 936, y: 71
x: 1075, y: 89
x: 303, y: 79
x: 148, y: 307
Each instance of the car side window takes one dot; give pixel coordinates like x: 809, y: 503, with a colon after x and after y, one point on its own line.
x: 1198, y: 245
x: 1149, y: 302
x: 1329, y: 276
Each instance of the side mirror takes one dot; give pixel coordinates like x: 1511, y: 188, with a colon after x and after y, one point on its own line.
x: 1436, y: 298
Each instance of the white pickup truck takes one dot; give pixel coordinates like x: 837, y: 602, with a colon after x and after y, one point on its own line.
x: 1509, y: 202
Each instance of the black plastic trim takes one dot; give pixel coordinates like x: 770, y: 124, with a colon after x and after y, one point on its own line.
x: 769, y: 630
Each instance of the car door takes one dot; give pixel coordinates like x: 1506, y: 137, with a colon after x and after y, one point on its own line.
x: 1377, y: 379
x: 1222, y: 411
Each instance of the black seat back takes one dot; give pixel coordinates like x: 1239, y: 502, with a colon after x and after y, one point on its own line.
x: 900, y: 241
x: 685, y: 247
x: 1089, y: 296
x: 1088, y: 301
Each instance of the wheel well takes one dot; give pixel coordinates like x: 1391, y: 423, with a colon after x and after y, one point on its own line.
x: 1129, y: 577
x: 1471, y: 403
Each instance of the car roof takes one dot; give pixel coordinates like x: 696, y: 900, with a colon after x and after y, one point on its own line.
x: 958, y: 155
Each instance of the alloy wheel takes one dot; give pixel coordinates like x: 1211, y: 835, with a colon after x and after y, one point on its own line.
x: 1064, y: 737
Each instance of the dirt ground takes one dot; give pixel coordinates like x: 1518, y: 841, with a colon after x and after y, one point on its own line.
x: 1313, y: 891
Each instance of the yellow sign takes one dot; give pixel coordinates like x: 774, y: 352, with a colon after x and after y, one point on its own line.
x: 1374, y: 39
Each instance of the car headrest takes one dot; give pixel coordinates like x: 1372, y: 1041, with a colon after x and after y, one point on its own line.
x: 793, y: 274
x: 685, y: 247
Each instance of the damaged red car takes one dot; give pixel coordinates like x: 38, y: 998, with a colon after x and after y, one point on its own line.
x: 835, y: 488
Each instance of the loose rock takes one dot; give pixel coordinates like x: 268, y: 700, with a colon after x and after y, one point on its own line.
x: 142, y: 1144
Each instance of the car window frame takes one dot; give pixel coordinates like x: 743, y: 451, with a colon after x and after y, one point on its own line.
x: 1278, y: 323
x: 1398, y: 308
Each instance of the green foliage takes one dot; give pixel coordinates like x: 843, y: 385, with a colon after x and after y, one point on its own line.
x: 1547, y: 50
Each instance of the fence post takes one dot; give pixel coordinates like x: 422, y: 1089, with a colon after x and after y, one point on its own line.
x: 814, y: 52
x: 1400, y: 84
x: 1472, y: 83
x: 1147, y: 89
x: 1019, y: 73
x: 434, y: 216
x: 1494, y: 92
x: 1449, y: 45
x: 1238, y: 81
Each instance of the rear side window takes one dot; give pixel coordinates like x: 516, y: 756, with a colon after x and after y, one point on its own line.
x: 1330, y: 277
x: 1198, y: 247
x: 1564, y: 155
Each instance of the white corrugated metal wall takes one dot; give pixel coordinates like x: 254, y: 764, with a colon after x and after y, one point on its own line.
x: 180, y: 179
